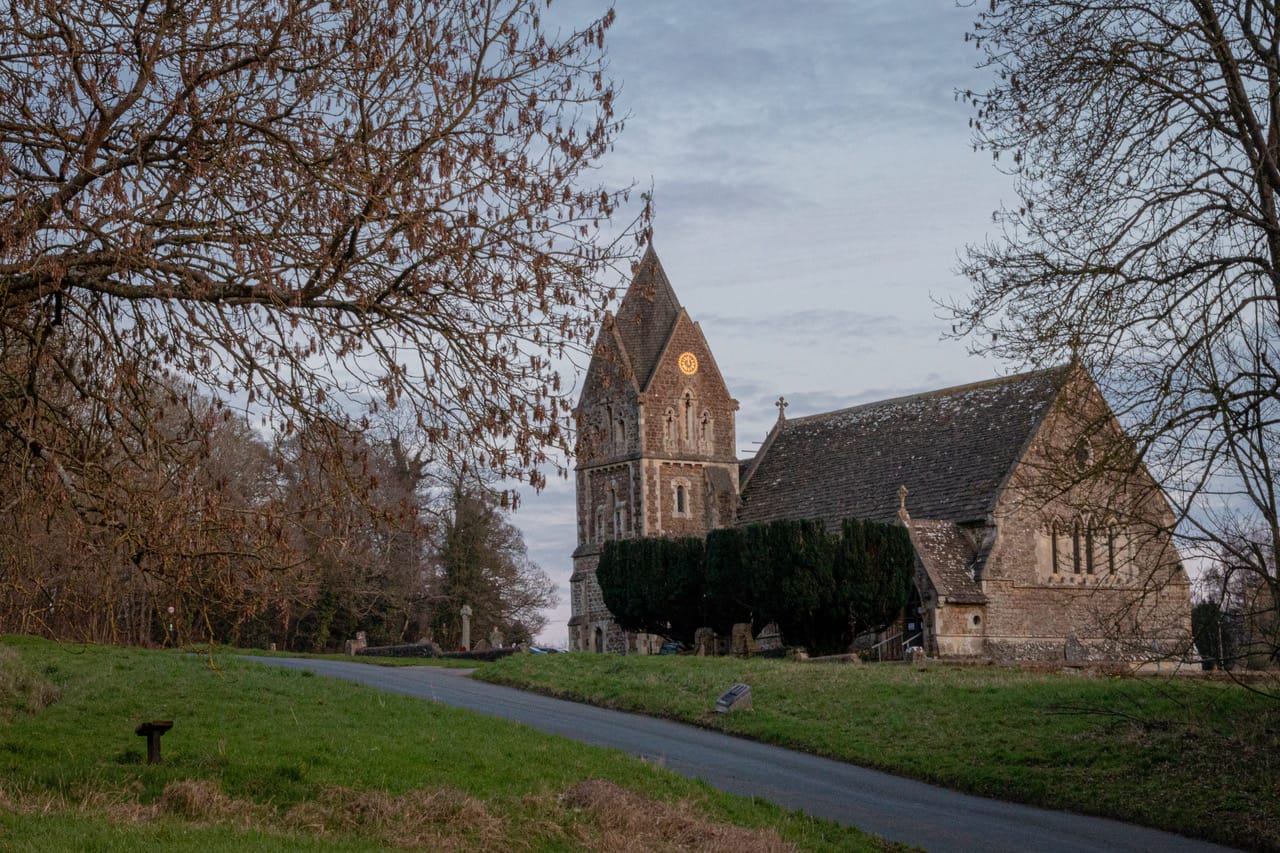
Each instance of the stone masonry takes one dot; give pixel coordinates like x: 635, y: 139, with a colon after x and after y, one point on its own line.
x: 1038, y: 534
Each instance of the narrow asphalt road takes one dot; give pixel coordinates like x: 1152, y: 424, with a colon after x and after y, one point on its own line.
x: 899, y: 809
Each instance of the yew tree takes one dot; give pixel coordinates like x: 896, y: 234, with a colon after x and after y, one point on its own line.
x: 312, y: 208
x: 1144, y: 140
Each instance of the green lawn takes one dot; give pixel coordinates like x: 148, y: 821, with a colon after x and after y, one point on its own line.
x: 1196, y: 757
x: 277, y: 759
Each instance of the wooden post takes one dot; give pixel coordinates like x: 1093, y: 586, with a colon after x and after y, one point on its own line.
x: 152, y: 731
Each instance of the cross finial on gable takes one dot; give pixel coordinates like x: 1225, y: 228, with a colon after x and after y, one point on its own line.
x: 782, y: 405
x: 902, y: 503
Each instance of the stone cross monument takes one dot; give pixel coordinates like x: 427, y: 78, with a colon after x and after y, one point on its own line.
x: 466, y: 626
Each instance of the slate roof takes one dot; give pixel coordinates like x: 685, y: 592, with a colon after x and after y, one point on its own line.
x: 952, y: 449
x: 948, y: 557
x: 646, y: 317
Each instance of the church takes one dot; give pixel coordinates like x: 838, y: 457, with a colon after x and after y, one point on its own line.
x: 1039, y: 535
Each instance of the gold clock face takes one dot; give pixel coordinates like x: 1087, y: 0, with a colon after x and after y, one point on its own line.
x: 688, y: 363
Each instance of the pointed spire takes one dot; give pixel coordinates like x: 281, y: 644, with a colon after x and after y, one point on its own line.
x: 646, y: 316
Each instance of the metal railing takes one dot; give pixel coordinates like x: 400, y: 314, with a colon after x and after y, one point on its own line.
x: 895, y: 652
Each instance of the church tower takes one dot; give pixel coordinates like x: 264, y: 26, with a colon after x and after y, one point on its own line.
x: 656, y: 449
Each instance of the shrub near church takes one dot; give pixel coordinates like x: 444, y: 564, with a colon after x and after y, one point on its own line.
x: 820, y: 589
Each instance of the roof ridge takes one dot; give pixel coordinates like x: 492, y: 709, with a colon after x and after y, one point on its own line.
x: 937, y: 392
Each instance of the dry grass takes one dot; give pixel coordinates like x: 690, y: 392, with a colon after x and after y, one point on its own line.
x: 434, y: 819
x: 622, y: 821
x: 591, y: 815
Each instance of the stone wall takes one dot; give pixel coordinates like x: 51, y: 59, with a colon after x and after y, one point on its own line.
x: 1117, y: 588
x: 634, y: 450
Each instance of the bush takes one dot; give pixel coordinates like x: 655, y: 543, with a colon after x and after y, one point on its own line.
x: 818, y: 588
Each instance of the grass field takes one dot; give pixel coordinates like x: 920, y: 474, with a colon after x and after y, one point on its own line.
x: 264, y: 758
x: 1191, y: 756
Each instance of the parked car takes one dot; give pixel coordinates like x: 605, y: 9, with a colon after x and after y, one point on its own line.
x: 672, y: 647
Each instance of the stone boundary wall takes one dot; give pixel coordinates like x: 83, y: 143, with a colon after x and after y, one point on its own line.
x: 408, y: 650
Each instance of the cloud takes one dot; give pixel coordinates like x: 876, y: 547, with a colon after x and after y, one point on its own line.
x: 803, y: 325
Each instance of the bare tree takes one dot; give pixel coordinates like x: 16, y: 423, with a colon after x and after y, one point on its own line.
x: 319, y: 208
x: 1144, y: 138
x: 175, y: 504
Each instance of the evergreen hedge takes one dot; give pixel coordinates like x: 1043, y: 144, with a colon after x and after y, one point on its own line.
x: 820, y: 589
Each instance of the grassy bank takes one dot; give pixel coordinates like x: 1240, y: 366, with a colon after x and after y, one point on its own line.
x: 1190, y: 756
x: 277, y: 759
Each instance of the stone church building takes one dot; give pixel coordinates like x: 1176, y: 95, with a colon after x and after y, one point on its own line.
x: 1037, y: 533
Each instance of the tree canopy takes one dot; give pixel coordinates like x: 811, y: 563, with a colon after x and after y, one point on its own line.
x: 1144, y: 139
x: 321, y: 214
x: 318, y: 209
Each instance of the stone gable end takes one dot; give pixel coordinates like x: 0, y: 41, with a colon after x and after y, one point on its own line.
x: 689, y: 415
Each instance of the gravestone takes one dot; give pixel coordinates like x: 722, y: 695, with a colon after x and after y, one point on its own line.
x: 482, y: 645
x: 1073, y: 649
x: 361, y: 642
x: 704, y: 642
x: 744, y: 645
x: 495, y: 638
x: 736, y: 698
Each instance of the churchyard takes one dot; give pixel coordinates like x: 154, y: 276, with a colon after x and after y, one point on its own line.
x: 1186, y: 754
x: 277, y: 759
x: 274, y: 759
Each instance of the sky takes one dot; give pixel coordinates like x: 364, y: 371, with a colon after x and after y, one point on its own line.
x: 814, y: 185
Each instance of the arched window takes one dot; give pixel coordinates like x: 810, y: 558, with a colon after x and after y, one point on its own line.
x: 1111, y: 546
x: 1088, y: 545
x: 704, y: 431
x: 688, y: 417
x: 1055, y: 532
x: 1075, y: 547
x: 680, y: 498
x: 670, y: 432
x: 619, y: 514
